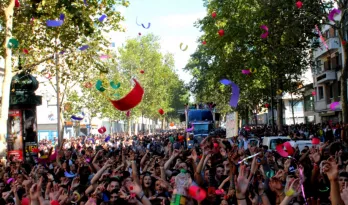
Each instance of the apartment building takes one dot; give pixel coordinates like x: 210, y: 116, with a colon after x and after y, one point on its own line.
x: 326, y: 75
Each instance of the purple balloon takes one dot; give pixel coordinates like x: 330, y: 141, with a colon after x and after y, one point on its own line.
x: 54, y: 23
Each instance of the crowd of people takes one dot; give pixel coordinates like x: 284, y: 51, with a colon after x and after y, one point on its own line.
x: 327, y: 130
x: 159, y: 169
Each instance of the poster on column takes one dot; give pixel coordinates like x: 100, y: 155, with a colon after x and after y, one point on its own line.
x: 15, y: 135
x: 231, y: 125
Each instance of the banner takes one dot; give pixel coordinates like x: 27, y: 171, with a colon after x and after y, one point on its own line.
x: 15, y: 134
x: 232, y: 125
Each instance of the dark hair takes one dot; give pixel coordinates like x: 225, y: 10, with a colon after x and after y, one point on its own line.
x: 343, y: 174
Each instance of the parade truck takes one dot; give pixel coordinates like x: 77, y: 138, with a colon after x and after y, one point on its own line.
x: 199, y: 123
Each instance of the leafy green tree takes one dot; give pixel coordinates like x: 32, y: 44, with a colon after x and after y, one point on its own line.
x: 141, y: 58
x: 283, y: 52
x: 27, y: 24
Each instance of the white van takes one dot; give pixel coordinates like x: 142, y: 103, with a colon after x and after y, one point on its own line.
x: 273, y: 141
x: 301, y: 144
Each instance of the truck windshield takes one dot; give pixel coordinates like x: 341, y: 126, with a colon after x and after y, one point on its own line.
x: 200, y: 115
x: 201, y: 128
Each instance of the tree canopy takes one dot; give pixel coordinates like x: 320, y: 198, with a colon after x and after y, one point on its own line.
x: 280, y: 57
x: 142, y: 59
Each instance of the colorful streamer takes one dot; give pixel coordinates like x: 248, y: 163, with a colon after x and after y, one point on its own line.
x: 322, y: 38
x: 252, y: 156
x: 88, y: 85
x: 69, y: 175
x: 148, y: 26
x: 102, y: 130
x: 265, y: 34
x: 132, y: 99
x: 136, y: 21
x: 107, y: 139
x: 85, y: 47
x: 334, y: 105
x: 333, y: 13
x: 185, y: 49
x: 190, y: 129
x: 302, y: 188
x: 54, y: 23
x: 62, y: 17
x: 324, y: 190
x: 246, y: 72
x: 114, y: 85
x: 74, y: 117
x: 104, y: 57
x: 102, y: 18
x: 235, y: 92
x: 99, y: 86
x: 13, y: 43
x: 289, y: 149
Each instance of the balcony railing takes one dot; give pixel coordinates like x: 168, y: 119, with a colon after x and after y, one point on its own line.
x: 328, y: 75
x: 320, y: 105
x: 332, y: 44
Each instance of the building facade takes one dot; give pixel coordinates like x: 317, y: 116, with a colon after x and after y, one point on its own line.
x: 326, y: 75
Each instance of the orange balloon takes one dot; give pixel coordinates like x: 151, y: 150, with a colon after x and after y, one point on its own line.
x: 171, y: 124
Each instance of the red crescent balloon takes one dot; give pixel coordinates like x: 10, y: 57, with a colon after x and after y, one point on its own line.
x: 132, y: 99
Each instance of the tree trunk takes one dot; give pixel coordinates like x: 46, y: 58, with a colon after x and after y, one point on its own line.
x: 343, y: 85
x: 343, y: 77
x: 62, y: 124
x: 129, y: 127
x: 292, y: 110
x: 247, y: 116
x: 163, y: 121
x: 280, y: 115
x: 5, y: 100
x: 280, y: 109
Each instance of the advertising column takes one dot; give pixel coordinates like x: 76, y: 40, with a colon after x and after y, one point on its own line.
x: 15, y: 136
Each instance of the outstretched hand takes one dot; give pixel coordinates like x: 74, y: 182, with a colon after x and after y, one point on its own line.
x: 242, y: 182
x: 330, y: 168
